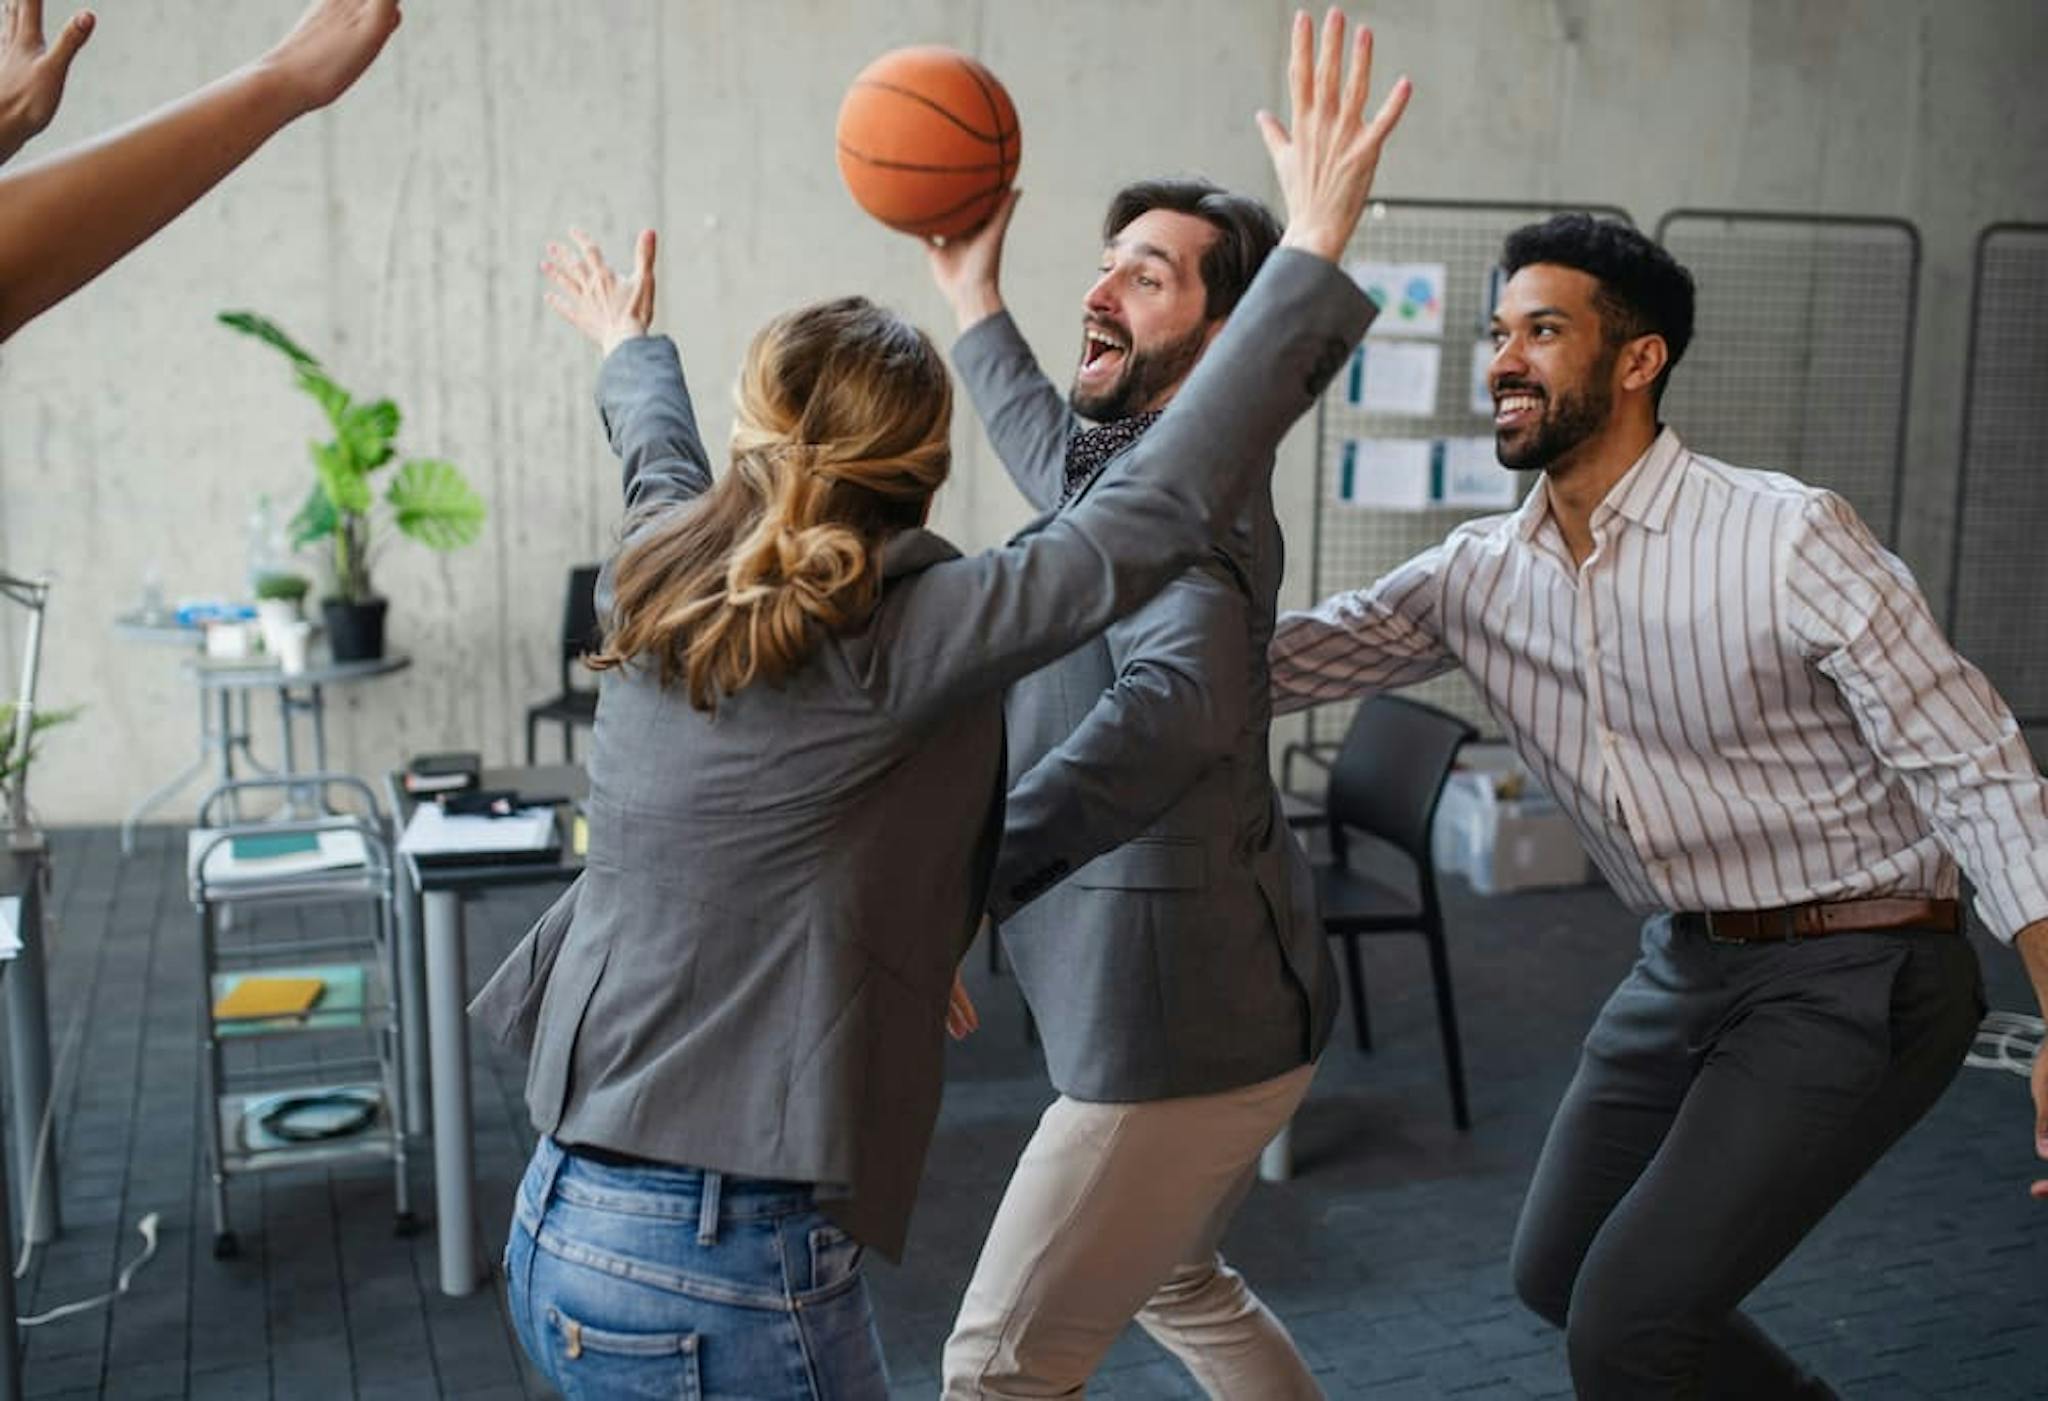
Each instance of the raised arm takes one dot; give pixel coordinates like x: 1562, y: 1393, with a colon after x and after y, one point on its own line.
x: 1025, y: 416
x: 65, y: 219
x: 997, y: 616
x: 641, y: 395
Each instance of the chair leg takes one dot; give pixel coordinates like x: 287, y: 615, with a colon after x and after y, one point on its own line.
x: 1447, y: 1023
x: 1361, y: 1019
x: 532, y: 739
x: 568, y: 741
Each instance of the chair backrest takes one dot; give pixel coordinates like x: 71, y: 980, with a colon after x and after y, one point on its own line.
x: 1391, y: 769
x: 579, y: 619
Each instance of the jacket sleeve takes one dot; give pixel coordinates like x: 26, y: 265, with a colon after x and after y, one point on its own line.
x: 1179, y: 704
x: 646, y: 410
x: 1026, y: 419
x: 973, y: 625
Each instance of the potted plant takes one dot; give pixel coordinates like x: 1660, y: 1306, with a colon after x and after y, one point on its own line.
x: 427, y: 499
x: 280, y: 600
x: 14, y: 766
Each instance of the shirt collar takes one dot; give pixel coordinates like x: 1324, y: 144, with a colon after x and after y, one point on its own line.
x: 1645, y: 494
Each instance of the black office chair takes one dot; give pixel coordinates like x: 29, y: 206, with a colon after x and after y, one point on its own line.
x: 574, y: 706
x: 1385, y: 779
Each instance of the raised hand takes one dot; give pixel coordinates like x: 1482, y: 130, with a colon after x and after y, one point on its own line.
x: 333, y: 42
x: 32, y: 73
x: 590, y: 297
x: 968, y: 270
x: 1325, y: 158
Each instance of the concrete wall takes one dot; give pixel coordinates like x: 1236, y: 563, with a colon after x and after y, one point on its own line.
x: 398, y: 236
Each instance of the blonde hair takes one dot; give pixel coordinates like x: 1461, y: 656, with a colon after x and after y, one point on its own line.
x: 841, y: 439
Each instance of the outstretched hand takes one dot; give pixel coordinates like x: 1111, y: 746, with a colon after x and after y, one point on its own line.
x: 968, y: 269
x: 589, y: 295
x: 32, y: 73
x: 1326, y: 156
x: 330, y: 46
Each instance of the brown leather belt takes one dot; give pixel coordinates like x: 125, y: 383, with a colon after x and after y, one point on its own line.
x: 1823, y: 917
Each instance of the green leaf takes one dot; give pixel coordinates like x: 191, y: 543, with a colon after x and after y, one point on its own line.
x: 315, y: 520
x: 269, y: 332
x: 347, y: 485
x: 432, y: 503
x: 331, y: 397
x: 366, y: 432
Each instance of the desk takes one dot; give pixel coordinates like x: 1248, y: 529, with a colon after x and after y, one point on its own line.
x: 220, y: 684
x: 431, y: 927
x: 22, y: 874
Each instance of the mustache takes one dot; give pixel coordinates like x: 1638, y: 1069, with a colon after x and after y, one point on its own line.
x: 1512, y: 386
x: 1117, y: 328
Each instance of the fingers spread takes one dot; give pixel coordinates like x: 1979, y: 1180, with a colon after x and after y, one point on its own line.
x: 1300, y: 65
x: 1330, y: 69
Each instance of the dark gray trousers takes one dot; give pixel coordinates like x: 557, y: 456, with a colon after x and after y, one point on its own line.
x: 1727, y: 1097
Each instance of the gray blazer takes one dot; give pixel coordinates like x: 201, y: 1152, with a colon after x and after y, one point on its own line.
x: 1160, y: 916
x: 751, y: 975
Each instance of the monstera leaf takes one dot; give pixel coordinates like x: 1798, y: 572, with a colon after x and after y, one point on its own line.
x: 432, y: 503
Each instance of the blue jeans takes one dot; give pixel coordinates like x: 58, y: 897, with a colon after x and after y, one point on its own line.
x: 666, y: 1282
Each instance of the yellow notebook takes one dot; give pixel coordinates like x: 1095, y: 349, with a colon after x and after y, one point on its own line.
x: 268, y: 997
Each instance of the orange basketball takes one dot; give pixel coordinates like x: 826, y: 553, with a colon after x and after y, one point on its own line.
x: 928, y: 141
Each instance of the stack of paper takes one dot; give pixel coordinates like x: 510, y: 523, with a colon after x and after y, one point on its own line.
x: 244, y: 860
x: 433, y: 835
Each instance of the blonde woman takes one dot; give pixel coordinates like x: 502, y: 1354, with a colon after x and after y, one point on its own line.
x: 796, y: 783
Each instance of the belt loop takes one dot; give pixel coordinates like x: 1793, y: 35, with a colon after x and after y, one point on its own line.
x: 707, y: 1208
x: 551, y: 1159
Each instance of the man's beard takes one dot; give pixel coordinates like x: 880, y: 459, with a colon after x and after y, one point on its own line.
x: 1146, y: 375
x: 1568, y: 421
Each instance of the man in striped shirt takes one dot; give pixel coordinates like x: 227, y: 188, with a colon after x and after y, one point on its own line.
x: 1762, y: 737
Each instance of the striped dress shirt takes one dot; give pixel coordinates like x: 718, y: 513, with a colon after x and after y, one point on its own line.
x: 1740, y: 698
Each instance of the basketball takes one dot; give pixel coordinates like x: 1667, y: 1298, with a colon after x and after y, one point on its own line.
x: 928, y: 141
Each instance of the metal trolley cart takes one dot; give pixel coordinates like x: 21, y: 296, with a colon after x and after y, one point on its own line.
x: 266, y: 1106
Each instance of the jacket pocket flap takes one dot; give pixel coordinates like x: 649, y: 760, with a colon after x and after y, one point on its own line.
x: 1148, y: 863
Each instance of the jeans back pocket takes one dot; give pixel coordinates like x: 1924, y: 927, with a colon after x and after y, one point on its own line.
x: 597, y: 1364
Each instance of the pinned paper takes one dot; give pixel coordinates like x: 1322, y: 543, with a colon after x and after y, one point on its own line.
x: 1387, y: 474
x: 1395, y: 377
x: 1482, y: 361
x: 1472, y: 475
x: 1410, y: 297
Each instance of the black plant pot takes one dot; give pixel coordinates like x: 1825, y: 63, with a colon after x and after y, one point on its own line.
x: 355, y: 631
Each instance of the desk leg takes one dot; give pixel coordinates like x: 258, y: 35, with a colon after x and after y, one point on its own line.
x: 164, y: 792
x: 412, y: 1002
x: 28, y: 1058
x: 448, y: 1046
x: 10, y: 1337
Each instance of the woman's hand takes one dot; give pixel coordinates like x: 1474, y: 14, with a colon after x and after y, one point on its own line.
x: 962, y: 1021
x: 590, y: 297
x: 31, y: 72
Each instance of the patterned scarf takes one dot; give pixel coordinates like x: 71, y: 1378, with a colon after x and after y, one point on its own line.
x: 1089, y: 448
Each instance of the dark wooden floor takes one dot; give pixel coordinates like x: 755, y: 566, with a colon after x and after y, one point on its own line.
x: 1385, y: 1255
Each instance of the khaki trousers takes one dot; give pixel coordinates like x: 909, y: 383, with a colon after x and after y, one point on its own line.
x: 1115, y: 1212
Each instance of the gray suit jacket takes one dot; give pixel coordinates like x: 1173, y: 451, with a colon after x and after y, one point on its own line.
x: 1160, y: 916
x: 752, y: 974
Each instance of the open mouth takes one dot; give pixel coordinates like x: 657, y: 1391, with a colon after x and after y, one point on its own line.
x: 1516, y: 408
x: 1103, y: 351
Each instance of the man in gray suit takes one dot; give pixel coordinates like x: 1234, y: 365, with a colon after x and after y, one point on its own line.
x: 1158, y: 914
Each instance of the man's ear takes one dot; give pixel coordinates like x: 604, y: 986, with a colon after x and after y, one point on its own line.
x: 1642, y: 360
